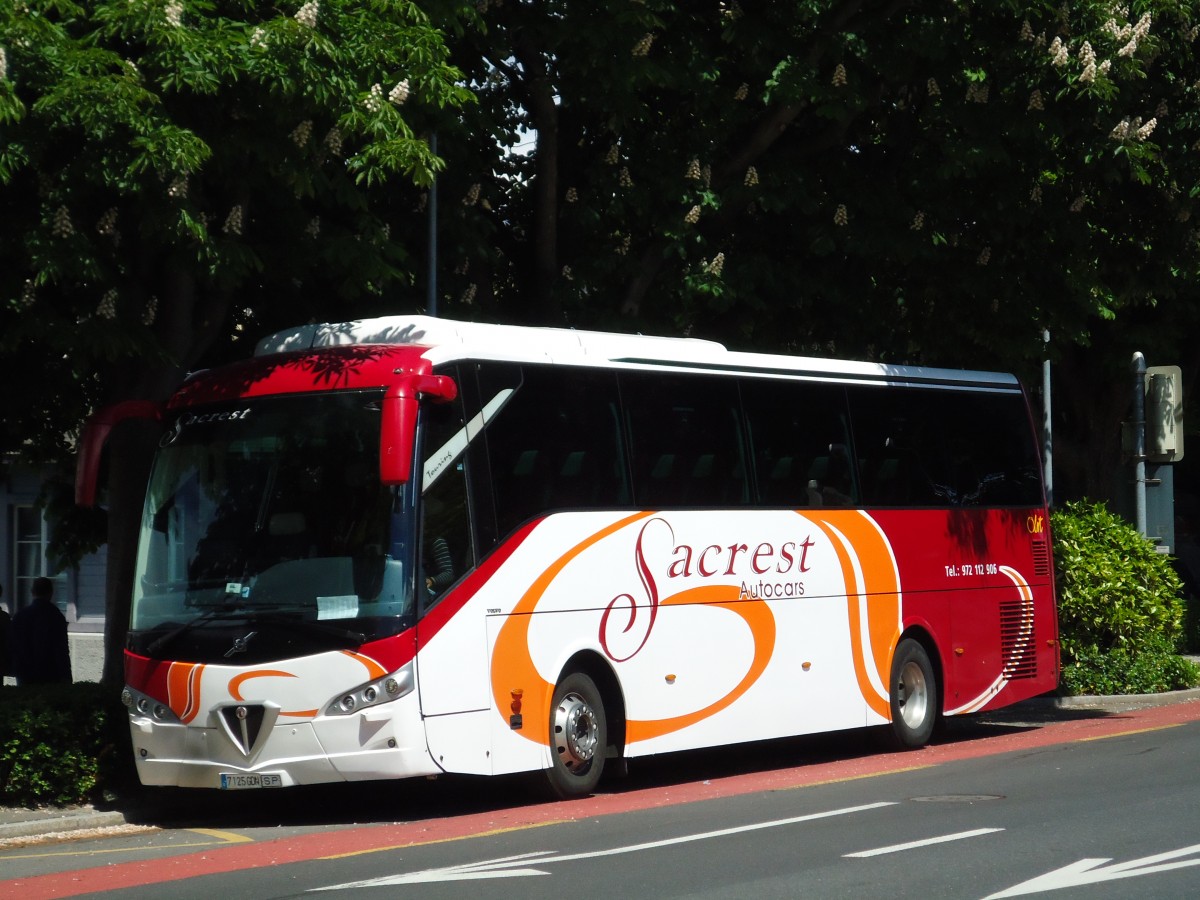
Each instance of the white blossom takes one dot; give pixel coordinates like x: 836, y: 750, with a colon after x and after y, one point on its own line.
x: 932, y: 88
x: 108, y: 222
x: 693, y: 215
x: 108, y: 305
x: 693, y: 171
x: 62, y: 226
x: 572, y: 195
x: 985, y: 256
x: 1146, y: 130
x: 3, y: 64
x: 178, y: 188
x: 751, y: 178
x: 642, y: 47
x: 468, y: 296
x: 624, y: 179
x: 472, y: 196
x: 840, y: 215
x: 1036, y: 101
x: 839, y: 76
x: 234, y: 221
x: 150, y: 311
x: 1059, y: 54
x: 333, y: 141
x: 313, y: 229
x: 742, y: 92
x: 374, y: 99
x: 612, y: 156
x: 918, y: 222
x: 307, y: 14
x: 174, y: 13
x: 398, y: 94
x: 28, y: 294
x: 302, y: 132
x: 716, y: 266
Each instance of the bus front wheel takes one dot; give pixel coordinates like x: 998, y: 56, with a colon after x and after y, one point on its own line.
x: 914, y: 696
x: 578, y: 737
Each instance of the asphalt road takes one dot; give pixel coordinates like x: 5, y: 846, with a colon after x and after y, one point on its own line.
x: 1099, y: 805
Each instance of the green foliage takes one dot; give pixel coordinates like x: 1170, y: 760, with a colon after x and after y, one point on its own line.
x: 1119, y: 608
x: 62, y: 745
x: 1154, y: 667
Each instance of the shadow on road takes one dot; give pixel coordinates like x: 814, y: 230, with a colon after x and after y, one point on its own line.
x: 413, y: 800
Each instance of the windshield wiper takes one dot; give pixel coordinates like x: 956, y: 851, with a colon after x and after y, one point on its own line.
x: 225, y: 611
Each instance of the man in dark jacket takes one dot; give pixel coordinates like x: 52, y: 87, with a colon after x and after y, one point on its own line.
x: 38, y: 639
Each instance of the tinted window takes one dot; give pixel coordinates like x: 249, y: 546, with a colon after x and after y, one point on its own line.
x: 800, y: 441
x: 445, y: 528
x: 685, y: 442
x: 923, y: 447
x: 555, y: 443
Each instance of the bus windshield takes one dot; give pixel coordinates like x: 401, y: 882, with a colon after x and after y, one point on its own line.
x: 270, y: 512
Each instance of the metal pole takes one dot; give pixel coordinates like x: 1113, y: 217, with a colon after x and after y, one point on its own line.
x: 431, y: 262
x: 1047, y: 429
x: 1138, y: 367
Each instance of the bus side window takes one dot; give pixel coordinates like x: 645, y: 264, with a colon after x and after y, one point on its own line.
x: 556, y: 445
x: 800, y: 443
x: 685, y: 440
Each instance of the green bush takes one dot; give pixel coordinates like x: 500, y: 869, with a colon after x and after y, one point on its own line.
x: 1120, y: 614
x: 62, y: 744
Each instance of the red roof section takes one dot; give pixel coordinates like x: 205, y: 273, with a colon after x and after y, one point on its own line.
x: 357, y: 367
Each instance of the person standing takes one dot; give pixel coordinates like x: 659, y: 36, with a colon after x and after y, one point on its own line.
x: 38, y: 639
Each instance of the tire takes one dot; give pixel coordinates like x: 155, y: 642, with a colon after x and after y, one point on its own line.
x: 578, y: 737
x: 914, y: 696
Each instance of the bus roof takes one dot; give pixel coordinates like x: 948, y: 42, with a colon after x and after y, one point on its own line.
x: 447, y: 340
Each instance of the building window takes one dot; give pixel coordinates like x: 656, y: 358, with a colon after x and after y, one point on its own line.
x: 31, y: 535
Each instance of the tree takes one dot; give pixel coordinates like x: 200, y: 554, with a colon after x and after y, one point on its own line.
x: 925, y: 182
x: 176, y: 175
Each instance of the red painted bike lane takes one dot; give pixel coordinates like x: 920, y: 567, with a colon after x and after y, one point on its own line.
x: 235, y: 857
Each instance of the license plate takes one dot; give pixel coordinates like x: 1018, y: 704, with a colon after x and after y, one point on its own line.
x: 237, y: 781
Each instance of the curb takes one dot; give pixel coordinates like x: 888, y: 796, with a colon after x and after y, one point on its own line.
x: 39, y: 823
x: 1110, y: 702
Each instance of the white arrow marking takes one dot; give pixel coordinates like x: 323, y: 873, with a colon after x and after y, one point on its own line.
x: 896, y: 848
x: 511, y: 866
x: 1089, y: 871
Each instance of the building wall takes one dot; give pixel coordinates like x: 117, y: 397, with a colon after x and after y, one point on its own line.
x: 79, y: 591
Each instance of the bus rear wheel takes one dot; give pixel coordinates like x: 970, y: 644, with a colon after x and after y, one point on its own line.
x: 914, y: 699
x: 578, y: 737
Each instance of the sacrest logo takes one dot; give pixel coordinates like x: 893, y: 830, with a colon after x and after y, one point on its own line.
x: 187, y: 419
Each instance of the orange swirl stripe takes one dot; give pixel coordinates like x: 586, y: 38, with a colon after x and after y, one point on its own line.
x: 513, y: 667
x: 757, y: 615
x: 855, y: 537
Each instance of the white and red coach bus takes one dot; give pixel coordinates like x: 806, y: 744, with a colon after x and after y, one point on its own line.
x: 408, y: 546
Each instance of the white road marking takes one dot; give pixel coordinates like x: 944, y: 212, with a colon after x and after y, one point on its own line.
x: 946, y: 838
x: 511, y: 866
x: 1093, y: 871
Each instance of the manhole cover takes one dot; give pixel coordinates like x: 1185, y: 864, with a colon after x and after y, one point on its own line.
x: 957, y: 798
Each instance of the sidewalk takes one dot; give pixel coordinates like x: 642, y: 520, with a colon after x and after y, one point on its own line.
x: 17, y: 822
